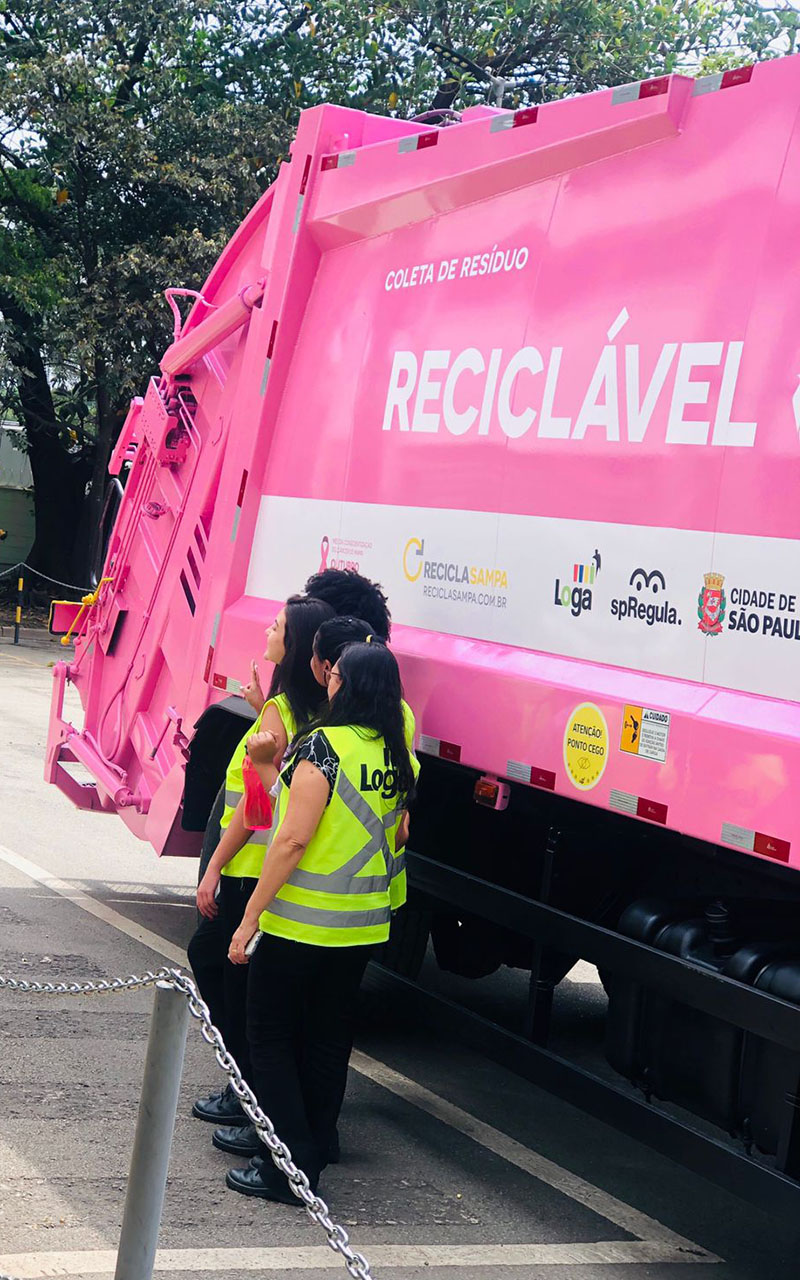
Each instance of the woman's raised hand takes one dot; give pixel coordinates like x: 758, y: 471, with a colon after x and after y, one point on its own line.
x: 252, y: 692
x: 261, y: 747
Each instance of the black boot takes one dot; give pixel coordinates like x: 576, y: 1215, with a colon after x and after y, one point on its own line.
x: 264, y: 1181
x: 239, y: 1140
x: 222, y: 1107
x: 243, y: 1140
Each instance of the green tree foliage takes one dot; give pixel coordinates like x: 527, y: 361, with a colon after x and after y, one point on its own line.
x: 135, y: 135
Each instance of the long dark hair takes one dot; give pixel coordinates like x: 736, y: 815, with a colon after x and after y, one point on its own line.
x: 293, y: 675
x: 370, y: 697
x: 336, y: 634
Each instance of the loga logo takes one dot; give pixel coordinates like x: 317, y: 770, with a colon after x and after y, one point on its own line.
x: 711, y: 605
x: 649, y: 605
x: 576, y: 595
x: 413, y: 552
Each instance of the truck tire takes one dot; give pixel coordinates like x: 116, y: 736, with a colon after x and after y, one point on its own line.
x: 408, y: 940
x: 211, y: 836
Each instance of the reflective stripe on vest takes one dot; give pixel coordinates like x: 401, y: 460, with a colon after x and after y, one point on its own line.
x: 331, y: 906
x: 250, y: 858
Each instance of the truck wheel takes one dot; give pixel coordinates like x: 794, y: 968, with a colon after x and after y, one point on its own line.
x: 408, y: 940
x: 211, y: 836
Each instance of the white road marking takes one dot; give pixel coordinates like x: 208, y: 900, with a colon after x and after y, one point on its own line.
x: 33, y: 1266
x: 94, y: 908
x: 31, y: 1205
x: 583, y: 973
x: 562, y: 1180
x: 651, y: 1233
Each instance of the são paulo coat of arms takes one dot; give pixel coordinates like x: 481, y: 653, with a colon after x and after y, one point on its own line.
x: 711, y: 605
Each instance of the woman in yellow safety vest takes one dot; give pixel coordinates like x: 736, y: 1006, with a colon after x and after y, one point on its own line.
x: 293, y: 699
x: 322, y: 902
x: 332, y: 638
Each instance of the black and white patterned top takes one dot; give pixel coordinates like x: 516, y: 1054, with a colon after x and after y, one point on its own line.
x: 317, y: 750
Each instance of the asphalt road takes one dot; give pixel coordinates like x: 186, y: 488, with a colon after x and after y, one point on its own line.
x: 453, y: 1168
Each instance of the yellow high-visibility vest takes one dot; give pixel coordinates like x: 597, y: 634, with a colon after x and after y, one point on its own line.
x: 340, y: 894
x: 250, y: 858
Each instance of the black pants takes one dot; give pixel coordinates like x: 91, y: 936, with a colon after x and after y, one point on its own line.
x: 223, y: 985
x: 301, y: 1004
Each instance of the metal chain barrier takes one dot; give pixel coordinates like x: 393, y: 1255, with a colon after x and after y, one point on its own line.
x: 355, y: 1263
x: 22, y: 564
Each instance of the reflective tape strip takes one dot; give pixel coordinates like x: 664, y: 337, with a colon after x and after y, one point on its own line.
x: 259, y: 838
x: 623, y: 802
x: 346, y: 879
x: 372, y: 824
x: 237, y: 513
x: 436, y: 747
x: 639, y: 89
x: 707, y: 84
x: 323, y: 919
x: 755, y: 842
x: 637, y: 806
x: 337, y: 882
x: 625, y: 93
x: 739, y: 837
x: 722, y: 80
x: 399, y: 864
x: 214, y: 631
x: 297, y: 212
x: 518, y: 771
x: 514, y: 119
x: 418, y: 142
x: 265, y: 375
x: 226, y: 683
x: 232, y: 798
x: 340, y: 161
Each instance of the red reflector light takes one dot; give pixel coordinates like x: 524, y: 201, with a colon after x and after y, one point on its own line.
x: 768, y: 847
x: 526, y: 116
x: 449, y: 751
x: 329, y: 162
x: 739, y: 75
x: 652, y: 88
x: 242, y: 488
x: 209, y: 660
x: 543, y: 778
x: 304, y: 181
x: 427, y: 140
x: 485, y: 792
x: 651, y: 809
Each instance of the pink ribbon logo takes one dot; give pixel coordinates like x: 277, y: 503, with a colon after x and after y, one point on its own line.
x: 324, y: 548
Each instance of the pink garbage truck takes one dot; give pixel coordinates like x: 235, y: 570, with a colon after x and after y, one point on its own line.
x: 538, y: 373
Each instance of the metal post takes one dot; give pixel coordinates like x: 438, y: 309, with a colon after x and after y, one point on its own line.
x: 158, y: 1106
x: 18, y: 616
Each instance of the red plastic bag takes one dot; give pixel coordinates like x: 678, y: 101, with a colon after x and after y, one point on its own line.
x: 257, y: 804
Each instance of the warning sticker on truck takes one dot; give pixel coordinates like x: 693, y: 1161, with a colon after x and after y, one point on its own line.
x: 586, y: 746
x: 645, y: 733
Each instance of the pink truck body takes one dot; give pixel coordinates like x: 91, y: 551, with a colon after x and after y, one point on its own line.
x: 537, y: 373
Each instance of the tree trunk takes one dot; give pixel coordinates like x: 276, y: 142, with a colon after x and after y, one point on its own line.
x: 108, y: 423
x: 59, y: 477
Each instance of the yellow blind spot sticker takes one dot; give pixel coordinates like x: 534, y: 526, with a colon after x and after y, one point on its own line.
x: 586, y: 746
